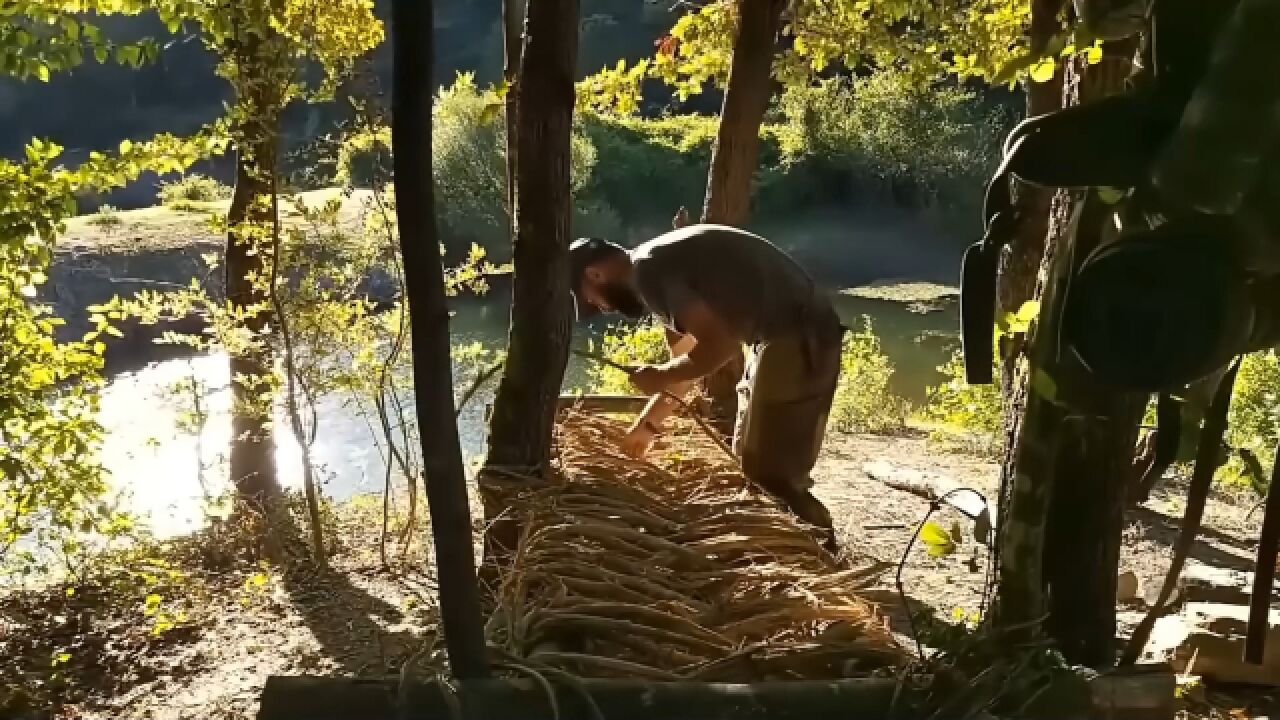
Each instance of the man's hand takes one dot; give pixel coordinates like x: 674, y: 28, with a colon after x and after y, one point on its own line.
x: 650, y: 379
x: 637, y: 441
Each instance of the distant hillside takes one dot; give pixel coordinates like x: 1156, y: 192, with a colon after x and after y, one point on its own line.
x: 96, y: 106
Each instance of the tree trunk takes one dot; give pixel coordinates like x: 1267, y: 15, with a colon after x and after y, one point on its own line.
x: 1060, y: 540
x: 512, y: 42
x: 1020, y: 264
x: 444, y: 473
x: 538, y: 344
x: 734, y: 159
x: 252, y: 451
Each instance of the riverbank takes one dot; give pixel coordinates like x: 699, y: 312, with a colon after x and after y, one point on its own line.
x: 102, y: 255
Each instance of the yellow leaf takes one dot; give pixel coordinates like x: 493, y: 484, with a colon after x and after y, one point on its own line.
x: 1093, y: 55
x: 937, y: 540
x: 1042, y: 71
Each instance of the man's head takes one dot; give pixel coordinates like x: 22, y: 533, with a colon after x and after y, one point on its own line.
x: 600, y: 279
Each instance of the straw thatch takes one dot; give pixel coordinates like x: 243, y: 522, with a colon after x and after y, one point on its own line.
x: 673, y: 568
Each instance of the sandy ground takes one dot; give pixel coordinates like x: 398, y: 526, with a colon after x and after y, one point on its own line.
x: 357, y: 618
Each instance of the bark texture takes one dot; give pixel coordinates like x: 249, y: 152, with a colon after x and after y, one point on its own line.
x: 445, y: 475
x: 538, y: 343
x: 734, y: 159
x: 1070, y: 448
x: 251, y: 456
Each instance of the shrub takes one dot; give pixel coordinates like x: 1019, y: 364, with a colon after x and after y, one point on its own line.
x: 364, y: 158
x: 627, y: 344
x: 888, y: 136
x: 863, y: 401
x: 1254, y: 421
x: 193, y: 188
x: 973, y: 410
x: 107, y: 217
x: 647, y: 168
x: 468, y: 138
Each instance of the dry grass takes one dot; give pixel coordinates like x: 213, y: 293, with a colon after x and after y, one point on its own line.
x: 672, y: 568
x: 168, y: 228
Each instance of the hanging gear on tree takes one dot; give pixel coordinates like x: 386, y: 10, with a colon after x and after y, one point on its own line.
x: 1188, y: 276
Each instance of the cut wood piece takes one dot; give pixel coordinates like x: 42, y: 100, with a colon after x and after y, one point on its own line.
x: 1139, y: 692
x: 930, y: 487
x: 1213, y: 633
x: 1128, y: 587
x: 314, y: 698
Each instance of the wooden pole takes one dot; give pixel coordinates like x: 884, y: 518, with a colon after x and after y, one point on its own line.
x: 310, y: 698
x: 1264, y: 573
x: 444, y: 473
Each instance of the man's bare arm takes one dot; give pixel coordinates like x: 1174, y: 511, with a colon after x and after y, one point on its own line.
x: 714, y: 345
x: 661, y: 406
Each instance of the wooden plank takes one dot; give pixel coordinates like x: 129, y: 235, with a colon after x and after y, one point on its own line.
x: 604, y: 403
x: 317, y: 698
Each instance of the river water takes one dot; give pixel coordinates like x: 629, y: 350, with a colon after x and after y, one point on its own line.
x: 164, y: 470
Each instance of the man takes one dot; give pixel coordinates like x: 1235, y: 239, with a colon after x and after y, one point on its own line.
x: 717, y: 288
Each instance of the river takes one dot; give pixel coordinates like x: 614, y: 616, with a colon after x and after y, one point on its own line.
x: 163, y: 470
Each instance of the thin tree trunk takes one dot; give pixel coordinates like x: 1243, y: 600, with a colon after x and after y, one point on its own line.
x: 735, y: 157
x: 444, y: 473
x: 512, y: 43
x: 538, y: 344
x: 252, y: 451
x: 1071, y: 448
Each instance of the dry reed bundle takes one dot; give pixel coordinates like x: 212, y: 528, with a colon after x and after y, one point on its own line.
x: 672, y: 568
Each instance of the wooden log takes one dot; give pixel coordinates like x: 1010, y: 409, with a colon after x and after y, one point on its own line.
x: 319, y: 698
x: 604, y: 403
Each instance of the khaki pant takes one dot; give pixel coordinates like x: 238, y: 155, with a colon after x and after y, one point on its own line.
x: 784, y: 399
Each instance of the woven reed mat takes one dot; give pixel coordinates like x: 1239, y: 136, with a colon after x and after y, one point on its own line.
x: 673, y: 568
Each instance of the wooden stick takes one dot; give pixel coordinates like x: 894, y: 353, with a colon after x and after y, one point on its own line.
x: 1264, y: 573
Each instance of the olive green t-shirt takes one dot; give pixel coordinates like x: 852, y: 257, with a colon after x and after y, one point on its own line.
x: 759, y: 291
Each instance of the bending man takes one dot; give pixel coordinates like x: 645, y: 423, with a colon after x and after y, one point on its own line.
x: 717, y: 288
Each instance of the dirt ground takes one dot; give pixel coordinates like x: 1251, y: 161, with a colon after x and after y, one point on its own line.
x: 356, y: 618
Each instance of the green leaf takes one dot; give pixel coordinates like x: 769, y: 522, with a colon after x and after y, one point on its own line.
x: 1111, y: 195
x: 937, y: 541
x: 1042, y: 70
x: 489, y: 112
x: 1044, y: 385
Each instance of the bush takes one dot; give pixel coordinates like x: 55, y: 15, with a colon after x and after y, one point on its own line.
x: 468, y: 138
x: 863, y: 401
x: 626, y: 344
x: 646, y: 169
x: 973, y: 410
x: 364, y: 158
x: 885, y: 135
x: 192, y: 188
x: 1254, y: 421
x: 107, y: 217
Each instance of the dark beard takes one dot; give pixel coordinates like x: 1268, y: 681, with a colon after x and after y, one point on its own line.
x: 624, y: 300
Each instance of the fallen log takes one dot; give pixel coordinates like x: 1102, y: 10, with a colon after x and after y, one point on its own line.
x: 318, y: 698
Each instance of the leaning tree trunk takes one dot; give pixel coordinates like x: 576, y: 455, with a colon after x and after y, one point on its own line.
x: 1069, y: 453
x: 734, y: 159
x: 444, y: 474
x: 252, y: 450
x: 538, y: 344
